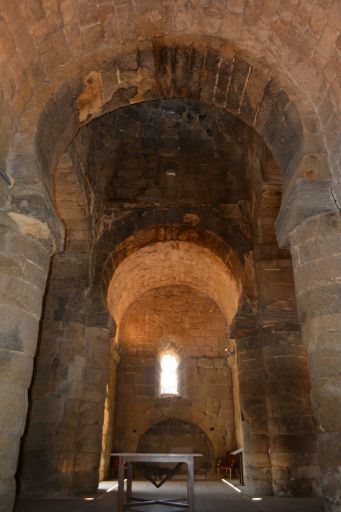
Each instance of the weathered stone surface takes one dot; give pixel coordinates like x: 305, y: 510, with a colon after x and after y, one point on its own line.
x: 18, y: 329
x: 306, y: 198
x: 60, y: 67
x: 320, y: 310
x: 14, y: 405
x: 16, y: 367
x: 7, y: 494
x: 8, y: 463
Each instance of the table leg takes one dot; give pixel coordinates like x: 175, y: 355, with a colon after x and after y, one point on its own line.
x: 130, y: 481
x: 190, y: 484
x: 120, y: 490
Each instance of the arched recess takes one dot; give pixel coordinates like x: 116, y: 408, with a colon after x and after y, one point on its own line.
x: 137, y: 231
x: 192, y: 323
x: 208, y: 70
x: 173, y: 433
x: 171, y: 257
x: 160, y: 226
x: 166, y: 263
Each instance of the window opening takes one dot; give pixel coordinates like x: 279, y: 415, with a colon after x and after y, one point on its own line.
x: 169, y: 374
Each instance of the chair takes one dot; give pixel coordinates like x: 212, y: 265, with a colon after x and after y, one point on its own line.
x: 227, y: 465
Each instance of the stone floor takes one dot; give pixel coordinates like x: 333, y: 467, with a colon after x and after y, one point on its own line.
x: 211, y: 496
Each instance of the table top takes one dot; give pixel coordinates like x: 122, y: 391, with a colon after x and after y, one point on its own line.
x: 155, y: 455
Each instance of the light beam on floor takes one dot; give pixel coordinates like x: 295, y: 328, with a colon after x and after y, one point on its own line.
x: 112, y: 488
x: 231, y: 485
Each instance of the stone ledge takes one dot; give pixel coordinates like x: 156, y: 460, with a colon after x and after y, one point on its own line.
x: 305, y: 199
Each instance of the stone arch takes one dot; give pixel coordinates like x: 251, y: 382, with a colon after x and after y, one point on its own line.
x: 171, y: 262
x: 137, y: 232
x: 297, y: 40
x: 190, y: 435
x: 207, y: 70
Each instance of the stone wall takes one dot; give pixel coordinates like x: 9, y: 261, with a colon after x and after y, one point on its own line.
x: 195, y: 325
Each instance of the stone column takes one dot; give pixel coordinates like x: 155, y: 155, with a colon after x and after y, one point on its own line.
x: 292, y: 432
x: 291, y: 428
x: 251, y: 373
x: 232, y: 363
x: 51, y: 436
x: 109, y: 415
x: 316, y: 253
x: 24, y: 264
x: 50, y: 439
x: 253, y: 407
x: 91, y: 410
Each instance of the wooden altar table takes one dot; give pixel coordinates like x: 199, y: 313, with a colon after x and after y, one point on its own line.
x: 125, y: 500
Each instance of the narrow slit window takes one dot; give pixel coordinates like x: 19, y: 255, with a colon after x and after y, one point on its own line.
x: 169, y: 375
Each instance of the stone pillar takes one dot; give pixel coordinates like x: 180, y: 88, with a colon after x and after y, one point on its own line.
x: 91, y: 410
x: 251, y: 377
x: 291, y: 428
x: 24, y: 264
x: 232, y: 363
x: 56, y: 394
x: 50, y: 440
x: 316, y: 253
x: 292, y: 431
x: 109, y: 415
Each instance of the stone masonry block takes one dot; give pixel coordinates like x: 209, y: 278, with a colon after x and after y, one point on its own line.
x: 322, y: 333
x: 7, y: 44
x: 22, y: 294
x: 89, y: 439
x: 320, y: 301
x: 7, y: 494
x: 9, y: 449
x: 18, y: 329
x: 48, y: 410
x: 204, y: 362
x: 16, y: 367
x: 325, y: 363
x: 327, y: 402
x: 29, y: 249
x: 292, y: 443
x: 13, y: 399
x: 89, y: 412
